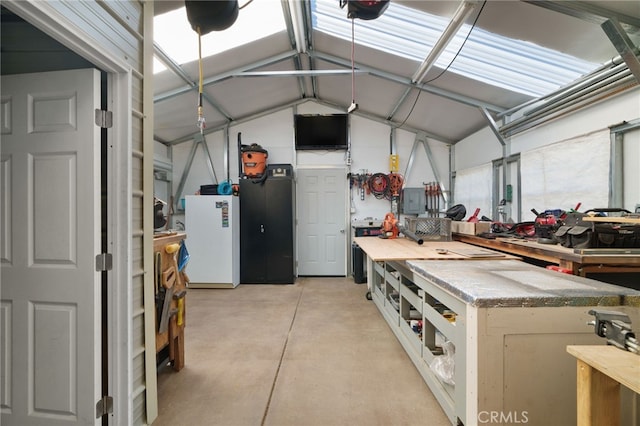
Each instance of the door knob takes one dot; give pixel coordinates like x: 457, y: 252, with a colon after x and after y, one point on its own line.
x: 262, y: 228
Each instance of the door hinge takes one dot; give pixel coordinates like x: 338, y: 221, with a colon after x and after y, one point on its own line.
x: 104, y: 406
x: 104, y: 262
x: 104, y: 119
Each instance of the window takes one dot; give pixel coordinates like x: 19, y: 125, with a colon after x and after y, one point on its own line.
x: 515, y: 65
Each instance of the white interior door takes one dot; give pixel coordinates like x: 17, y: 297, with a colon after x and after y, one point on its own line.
x: 321, y: 197
x: 50, y: 192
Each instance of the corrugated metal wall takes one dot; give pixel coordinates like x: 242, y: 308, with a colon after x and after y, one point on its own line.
x: 119, y: 28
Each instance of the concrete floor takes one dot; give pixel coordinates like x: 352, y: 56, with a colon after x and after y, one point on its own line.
x: 313, y: 353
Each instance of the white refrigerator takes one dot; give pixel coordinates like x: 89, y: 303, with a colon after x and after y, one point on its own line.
x: 212, y: 225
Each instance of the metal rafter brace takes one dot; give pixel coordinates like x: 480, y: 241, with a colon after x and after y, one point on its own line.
x: 421, y: 139
x: 198, y: 139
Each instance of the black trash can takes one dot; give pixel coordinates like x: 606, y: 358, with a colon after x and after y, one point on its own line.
x: 359, y: 267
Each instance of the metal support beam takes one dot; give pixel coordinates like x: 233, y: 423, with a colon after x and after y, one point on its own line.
x: 292, y: 31
x: 180, y: 72
x: 185, y: 174
x: 625, y: 126
x: 296, y: 73
x: 493, y: 126
x: 226, y: 75
x: 623, y: 45
x: 616, y: 181
x: 456, y: 97
x: 299, y: 25
x: 460, y: 16
x: 587, y: 11
x: 398, y: 103
x: 616, y: 171
x: 226, y: 153
x: 198, y: 139
x: 462, y: 13
x: 205, y: 149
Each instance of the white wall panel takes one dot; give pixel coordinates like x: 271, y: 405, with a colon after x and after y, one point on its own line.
x: 473, y: 190
x: 91, y: 17
x: 370, y: 149
x: 547, y: 182
x: 600, y: 115
x: 584, y: 171
x: 480, y: 148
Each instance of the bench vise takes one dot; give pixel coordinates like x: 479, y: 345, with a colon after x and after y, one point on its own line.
x: 616, y: 328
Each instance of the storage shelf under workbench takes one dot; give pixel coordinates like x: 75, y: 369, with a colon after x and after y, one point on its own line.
x: 513, y: 322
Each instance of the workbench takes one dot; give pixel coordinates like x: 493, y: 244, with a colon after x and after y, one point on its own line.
x: 402, y: 248
x: 510, y: 323
x: 567, y: 258
x: 171, y: 282
x: 601, y: 370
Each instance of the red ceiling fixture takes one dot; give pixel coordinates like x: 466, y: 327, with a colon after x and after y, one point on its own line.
x: 365, y: 9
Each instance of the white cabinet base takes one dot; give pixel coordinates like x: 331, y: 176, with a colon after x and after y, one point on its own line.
x: 511, y: 363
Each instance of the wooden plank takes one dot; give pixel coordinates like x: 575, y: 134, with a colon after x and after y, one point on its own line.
x: 598, y: 397
x: 477, y: 253
x: 470, y: 228
x: 612, y: 219
x: 404, y: 249
x: 622, y: 366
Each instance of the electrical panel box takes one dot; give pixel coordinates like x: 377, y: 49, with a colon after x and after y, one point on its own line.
x: 413, y: 201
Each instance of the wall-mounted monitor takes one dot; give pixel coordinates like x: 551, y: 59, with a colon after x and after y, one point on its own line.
x: 321, y: 131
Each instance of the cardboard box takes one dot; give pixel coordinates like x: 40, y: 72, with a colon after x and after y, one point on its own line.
x: 470, y: 228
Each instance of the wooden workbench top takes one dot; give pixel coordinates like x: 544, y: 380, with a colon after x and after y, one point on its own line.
x: 548, y: 252
x: 622, y: 366
x: 405, y: 249
x: 161, y: 239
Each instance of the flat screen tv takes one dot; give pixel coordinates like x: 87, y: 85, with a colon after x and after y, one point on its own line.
x: 321, y: 132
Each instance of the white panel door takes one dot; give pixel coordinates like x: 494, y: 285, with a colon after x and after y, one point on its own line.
x: 50, y: 192
x: 321, y: 197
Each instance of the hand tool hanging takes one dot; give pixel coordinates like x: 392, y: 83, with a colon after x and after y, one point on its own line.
x: 432, y: 194
x: 379, y: 184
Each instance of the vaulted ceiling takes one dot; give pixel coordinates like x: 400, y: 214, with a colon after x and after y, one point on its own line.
x: 304, y: 62
x: 287, y: 68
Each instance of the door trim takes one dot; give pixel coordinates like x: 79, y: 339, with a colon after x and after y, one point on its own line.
x: 49, y: 20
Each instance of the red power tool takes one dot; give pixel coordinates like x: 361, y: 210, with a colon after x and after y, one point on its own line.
x: 390, y: 226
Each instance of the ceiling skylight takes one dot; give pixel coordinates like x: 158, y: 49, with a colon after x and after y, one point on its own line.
x: 174, y: 34
x: 493, y: 59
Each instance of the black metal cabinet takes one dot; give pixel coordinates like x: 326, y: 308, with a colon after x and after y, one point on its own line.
x: 267, y: 231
